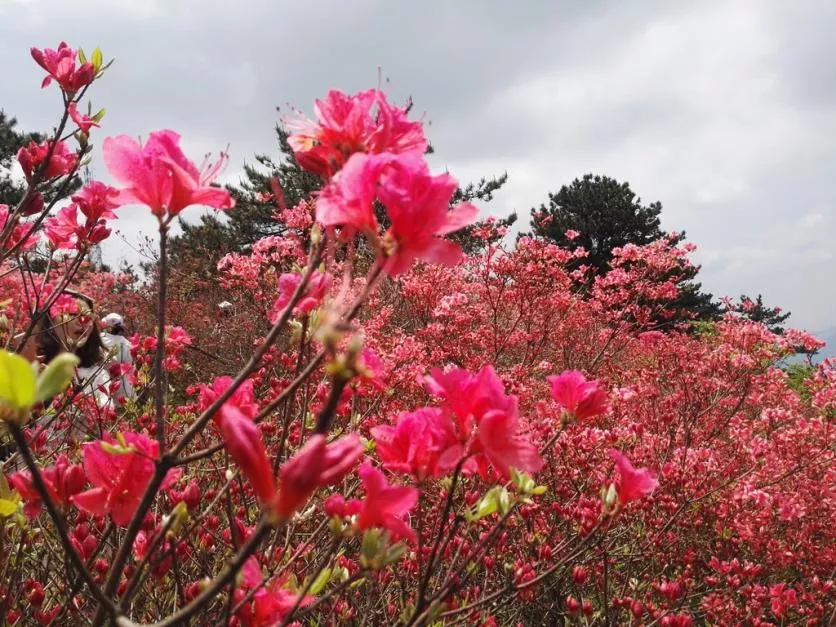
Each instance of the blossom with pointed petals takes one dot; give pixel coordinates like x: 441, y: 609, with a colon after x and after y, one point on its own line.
x: 240, y: 434
x: 484, y: 419
x: 270, y: 603
x: 317, y: 464
x: 421, y: 443
x: 84, y: 122
x: 347, y: 124
x: 97, y: 201
x: 61, y: 161
x: 160, y: 176
x: 60, y: 65
x: 580, y: 398
x: 633, y: 483
x: 385, y: 505
x: 315, y: 291
x: 64, y: 230
x: 119, y: 477
x: 62, y: 481
x: 22, y: 233
x: 417, y: 205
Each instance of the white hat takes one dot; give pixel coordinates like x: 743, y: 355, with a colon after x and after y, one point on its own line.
x: 112, y: 319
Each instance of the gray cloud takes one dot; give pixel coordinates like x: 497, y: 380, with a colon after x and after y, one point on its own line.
x: 724, y: 111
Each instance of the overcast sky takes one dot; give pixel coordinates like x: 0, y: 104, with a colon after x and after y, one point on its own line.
x: 724, y: 111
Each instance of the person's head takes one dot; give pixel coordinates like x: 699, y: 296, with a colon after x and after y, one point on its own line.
x: 70, y: 326
x: 114, y: 324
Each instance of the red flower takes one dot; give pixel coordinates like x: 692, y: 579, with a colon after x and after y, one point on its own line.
x: 160, y: 176
x: 84, y: 122
x: 19, y: 232
x: 315, y: 291
x: 119, y: 477
x: 385, y: 506
x: 417, y: 204
x: 271, y: 603
x: 62, y: 480
x: 315, y: 465
x: 363, y: 122
x: 240, y: 434
x: 60, y: 65
x: 579, y: 397
x: 61, y: 162
x: 421, y: 443
x: 484, y: 419
x: 97, y: 201
x: 633, y: 483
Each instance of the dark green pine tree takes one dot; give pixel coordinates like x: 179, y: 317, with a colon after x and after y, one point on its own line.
x: 757, y: 311
x: 606, y: 215
x: 253, y: 216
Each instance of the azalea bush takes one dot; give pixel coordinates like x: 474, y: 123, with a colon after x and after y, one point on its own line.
x: 374, y: 427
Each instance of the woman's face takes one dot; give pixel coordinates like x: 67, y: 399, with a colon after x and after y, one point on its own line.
x: 73, y: 329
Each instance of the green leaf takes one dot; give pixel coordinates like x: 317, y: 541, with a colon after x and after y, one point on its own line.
x: 82, y: 58
x: 17, y: 381
x: 489, y: 503
x: 320, y: 582
x: 7, y: 507
x: 56, y: 376
x: 113, y: 449
x: 504, y: 500
x: 99, y: 115
x: 96, y: 59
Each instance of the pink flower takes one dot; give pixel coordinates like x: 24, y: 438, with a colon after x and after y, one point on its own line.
x: 371, y: 368
x: 363, y: 122
x: 416, y: 203
x: 119, y: 477
x: 240, y: 434
x: 64, y: 230
x: 315, y: 291
x: 62, y: 480
x: 271, y: 603
x: 633, y: 483
x: 160, y: 176
x: 484, y: 419
x: 581, y: 398
x: 84, y: 122
x: 97, y: 201
x: 348, y: 201
x: 385, y: 506
x: 315, y: 465
x: 421, y: 443
x: 18, y: 233
x: 60, y: 65
x: 61, y: 162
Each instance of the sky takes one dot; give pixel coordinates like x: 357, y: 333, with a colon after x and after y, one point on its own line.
x: 725, y: 111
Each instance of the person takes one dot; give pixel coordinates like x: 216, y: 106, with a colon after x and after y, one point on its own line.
x: 119, y: 350
x: 73, y: 331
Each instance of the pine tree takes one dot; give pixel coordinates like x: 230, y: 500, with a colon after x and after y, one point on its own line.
x: 757, y: 311
x: 605, y: 215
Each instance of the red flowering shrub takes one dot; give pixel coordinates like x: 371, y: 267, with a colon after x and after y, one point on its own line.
x: 426, y: 438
